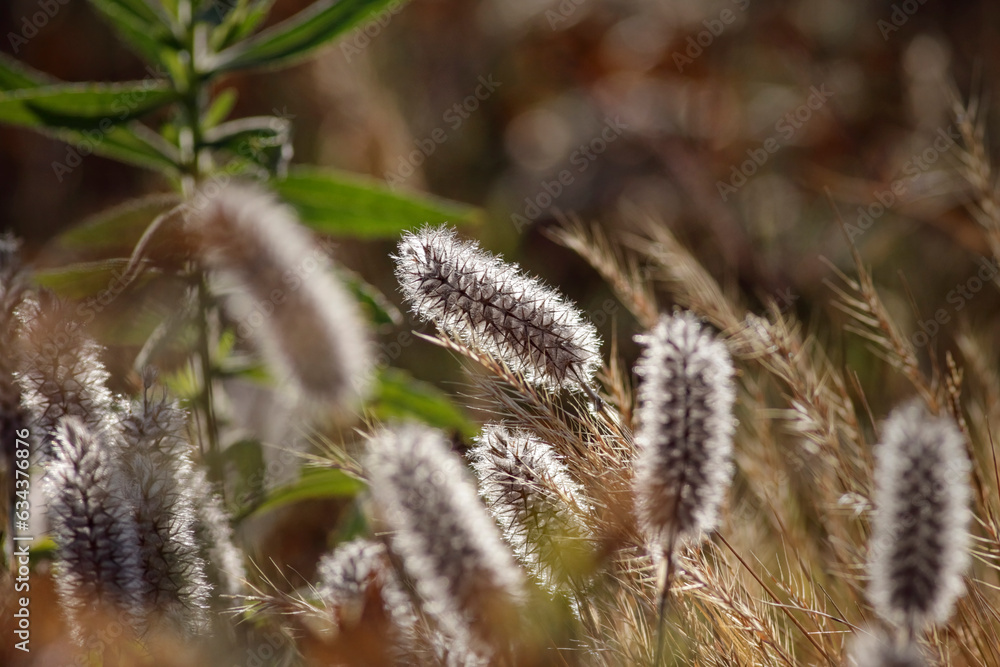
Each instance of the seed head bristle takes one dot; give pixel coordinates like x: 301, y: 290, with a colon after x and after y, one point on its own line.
x: 919, y: 548
x: 98, y: 564
x: 283, y: 295
x: 494, y: 306
x: 537, y: 504
x: 685, y: 430
x: 449, y: 546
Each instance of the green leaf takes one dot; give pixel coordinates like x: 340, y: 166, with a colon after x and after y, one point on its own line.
x: 400, y: 395
x: 16, y: 75
x: 116, y: 230
x: 85, y: 279
x: 240, y: 22
x: 345, y: 204
x: 83, y: 106
x: 220, y: 108
x: 296, y: 37
x: 381, y: 311
x: 143, y: 30
x: 134, y: 143
x: 314, y: 484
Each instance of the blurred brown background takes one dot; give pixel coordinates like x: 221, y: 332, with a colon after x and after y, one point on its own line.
x: 685, y: 93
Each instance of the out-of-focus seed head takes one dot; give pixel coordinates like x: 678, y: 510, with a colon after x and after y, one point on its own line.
x: 536, y: 502
x: 61, y: 372
x: 685, y: 430
x: 879, y: 650
x: 465, y: 575
x: 919, y: 548
x: 283, y: 295
x: 494, y: 306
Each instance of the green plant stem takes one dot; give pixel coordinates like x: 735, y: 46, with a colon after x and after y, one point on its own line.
x: 192, y: 100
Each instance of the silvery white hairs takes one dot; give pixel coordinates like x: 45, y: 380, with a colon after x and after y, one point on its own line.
x: 876, y: 649
x: 356, y: 575
x: 919, y: 546
x: 283, y: 295
x: 494, y: 306
x: 685, y: 429
x: 536, y: 502
x: 464, y: 574
x: 155, y: 473
x: 98, y: 560
x: 61, y: 373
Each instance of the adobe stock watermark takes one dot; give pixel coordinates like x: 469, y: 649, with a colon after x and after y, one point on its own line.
x: 454, y: 117
x: 121, y: 107
x: 714, y: 27
x: 912, y: 169
x: 31, y: 25
x: 901, y: 13
x: 581, y: 158
x: 562, y: 12
x: 361, y: 37
x: 957, y: 297
x: 785, y: 128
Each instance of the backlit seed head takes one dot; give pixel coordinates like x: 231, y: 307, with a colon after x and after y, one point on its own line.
x: 685, y: 430
x: 494, y: 306
x: 98, y: 562
x: 919, y: 548
x: 538, y: 506
x: 284, y: 296
x: 449, y: 546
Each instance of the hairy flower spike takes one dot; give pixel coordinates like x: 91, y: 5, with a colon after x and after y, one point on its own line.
x: 919, y: 547
x: 62, y: 374
x: 214, y: 536
x: 489, y: 304
x: 284, y: 296
x: 157, y: 468
x: 530, y: 493
x: 360, y: 587
x: 13, y: 289
x: 879, y: 650
x: 685, y: 430
x: 98, y: 557
x: 447, y: 542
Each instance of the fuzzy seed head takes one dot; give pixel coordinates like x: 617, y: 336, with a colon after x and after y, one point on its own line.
x: 919, y: 547
x: 98, y: 557
x: 283, y: 296
x: 62, y: 374
x: 879, y: 650
x: 494, y: 306
x: 449, y: 546
x: 533, y: 498
x: 214, y: 535
x: 685, y: 430
x: 156, y: 466
x: 356, y: 575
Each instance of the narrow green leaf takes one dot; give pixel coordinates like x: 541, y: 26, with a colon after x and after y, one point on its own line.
x: 16, y: 75
x: 381, y: 311
x: 314, y: 484
x: 79, y: 281
x: 220, y: 108
x: 83, y: 106
x: 345, y: 204
x: 240, y: 22
x: 116, y: 230
x: 296, y: 37
x: 400, y: 395
x: 142, y: 30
